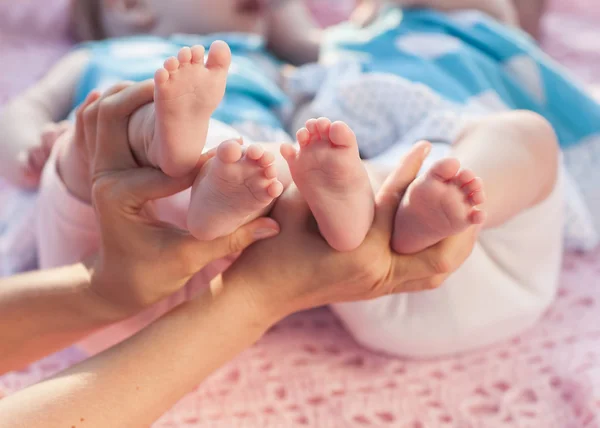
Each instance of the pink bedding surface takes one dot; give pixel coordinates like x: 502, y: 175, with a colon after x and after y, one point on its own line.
x: 308, y: 372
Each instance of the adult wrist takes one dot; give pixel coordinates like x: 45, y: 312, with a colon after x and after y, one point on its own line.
x: 103, y: 310
x: 260, y: 308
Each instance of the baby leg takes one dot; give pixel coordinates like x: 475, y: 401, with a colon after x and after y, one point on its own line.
x: 514, y: 154
x: 330, y: 175
x: 512, y: 275
x: 170, y: 134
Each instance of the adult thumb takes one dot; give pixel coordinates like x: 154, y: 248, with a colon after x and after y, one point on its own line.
x: 393, y: 189
x: 133, y: 188
x: 208, y: 251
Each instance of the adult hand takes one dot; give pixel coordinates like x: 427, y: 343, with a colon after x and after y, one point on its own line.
x: 298, y: 270
x: 141, y: 260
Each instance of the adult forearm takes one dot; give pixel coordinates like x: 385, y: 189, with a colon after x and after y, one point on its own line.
x: 145, y: 375
x: 45, y: 311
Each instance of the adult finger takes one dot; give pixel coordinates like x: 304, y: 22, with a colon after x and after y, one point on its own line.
x: 117, y: 87
x: 448, y: 255
x: 91, y: 112
x: 80, y: 135
x: 197, y: 254
x: 90, y: 125
x: 408, y: 272
x: 113, y: 151
x: 91, y: 116
x: 133, y: 188
x: 123, y: 100
x: 429, y: 268
x: 418, y: 285
x: 95, y: 105
x: 389, y: 196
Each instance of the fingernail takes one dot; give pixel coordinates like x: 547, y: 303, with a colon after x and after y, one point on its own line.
x: 265, y: 233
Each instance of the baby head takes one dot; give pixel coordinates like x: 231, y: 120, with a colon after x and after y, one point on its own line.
x: 100, y: 19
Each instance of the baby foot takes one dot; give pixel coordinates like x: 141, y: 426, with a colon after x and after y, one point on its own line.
x: 438, y: 204
x: 232, y: 189
x: 187, y: 93
x: 331, y: 177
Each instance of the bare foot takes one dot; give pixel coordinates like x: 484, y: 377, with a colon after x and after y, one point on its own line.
x: 232, y: 189
x: 186, y: 95
x: 438, y: 204
x: 331, y: 177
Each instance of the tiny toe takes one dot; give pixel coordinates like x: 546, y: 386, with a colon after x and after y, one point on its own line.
x: 185, y: 55
x: 259, y: 186
x: 229, y: 151
x: 275, y: 189
x: 198, y: 52
x: 267, y: 159
x: 477, y: 216
x: 271, y: 172
x: 171, y: 64
x: 340, y: 134
x: 161, y: 76
x: 465, y: 176
x: 254, y: 152
x: 471, y: 186
x: 288, y: 151
x: 477, y: 197
x: 219, y: 55
x: 323, y: 125
x: 445, y: 169
x: 303, y: 137
x: 311, y: 126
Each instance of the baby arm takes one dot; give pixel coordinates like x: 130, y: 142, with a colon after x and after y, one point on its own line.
x: 23, y: 119
x: 292, y: 34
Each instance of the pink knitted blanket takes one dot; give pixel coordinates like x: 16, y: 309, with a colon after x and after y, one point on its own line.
x: 308, y: 372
